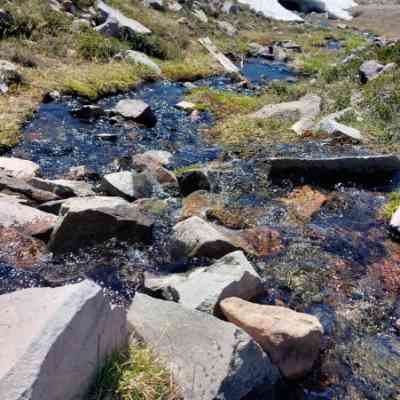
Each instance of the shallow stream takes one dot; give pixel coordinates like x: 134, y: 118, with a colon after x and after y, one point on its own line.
x: 340, y: 264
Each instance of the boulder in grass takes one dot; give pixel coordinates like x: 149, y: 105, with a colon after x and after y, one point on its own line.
x: 203, y: 288
x: 308, y: 107
x: 195, y: 237
x: 19, y: 168
x: 88, y: 220
x: 8, y: 75
x: 137, y: 57
x: 291, y: 339
x: 117, y: 24
x: 371, y: 69
x: 54, y: 341
x: 137, y: 111
x: 209, y: 358
x: 27, y: 220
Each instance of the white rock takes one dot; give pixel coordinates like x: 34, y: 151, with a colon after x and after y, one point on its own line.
x: 227, y: 64
x: 136, y: 57
x: 136, y: 110
x: 18, y: 168
x: 185, y: 106
x: 53, y: 341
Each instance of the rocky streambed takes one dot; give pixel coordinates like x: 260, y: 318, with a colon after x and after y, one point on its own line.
x: 307, y: 216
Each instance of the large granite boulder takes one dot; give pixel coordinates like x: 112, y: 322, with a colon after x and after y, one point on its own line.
x: 19, y: 168
x: 209, y: 358
x: 203, y: 288
x: 291, y: 339
x: 27, y: 220
x: 85, y: 220
x: 53, y: 341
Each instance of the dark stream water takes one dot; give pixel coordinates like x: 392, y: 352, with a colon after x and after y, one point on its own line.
x: 340, y: 265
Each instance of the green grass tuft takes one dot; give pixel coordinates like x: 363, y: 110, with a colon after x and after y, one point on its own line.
x: 134, y: 375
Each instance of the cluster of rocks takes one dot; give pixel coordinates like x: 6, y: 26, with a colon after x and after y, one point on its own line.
x: 204, y: 323
x: 55, y: 340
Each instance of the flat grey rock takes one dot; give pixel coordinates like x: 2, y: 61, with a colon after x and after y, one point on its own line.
x: 203, y: 288
x: 309, y: 107
x: 53, y: 341
x: 209, y: 358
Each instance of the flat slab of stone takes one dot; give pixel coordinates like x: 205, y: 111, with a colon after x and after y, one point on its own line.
x: 27, y: 220
x: 64, y: 187
x: 209, y: 358
x: 203, y: 288
x: 53, y: 341
x: 22, y: 187
x: 291, y: 339
x: 335, y: 166
x: 18, y: 168
x: 226, y: 63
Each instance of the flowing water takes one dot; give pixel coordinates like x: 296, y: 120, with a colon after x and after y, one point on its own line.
x: 340, y: 264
